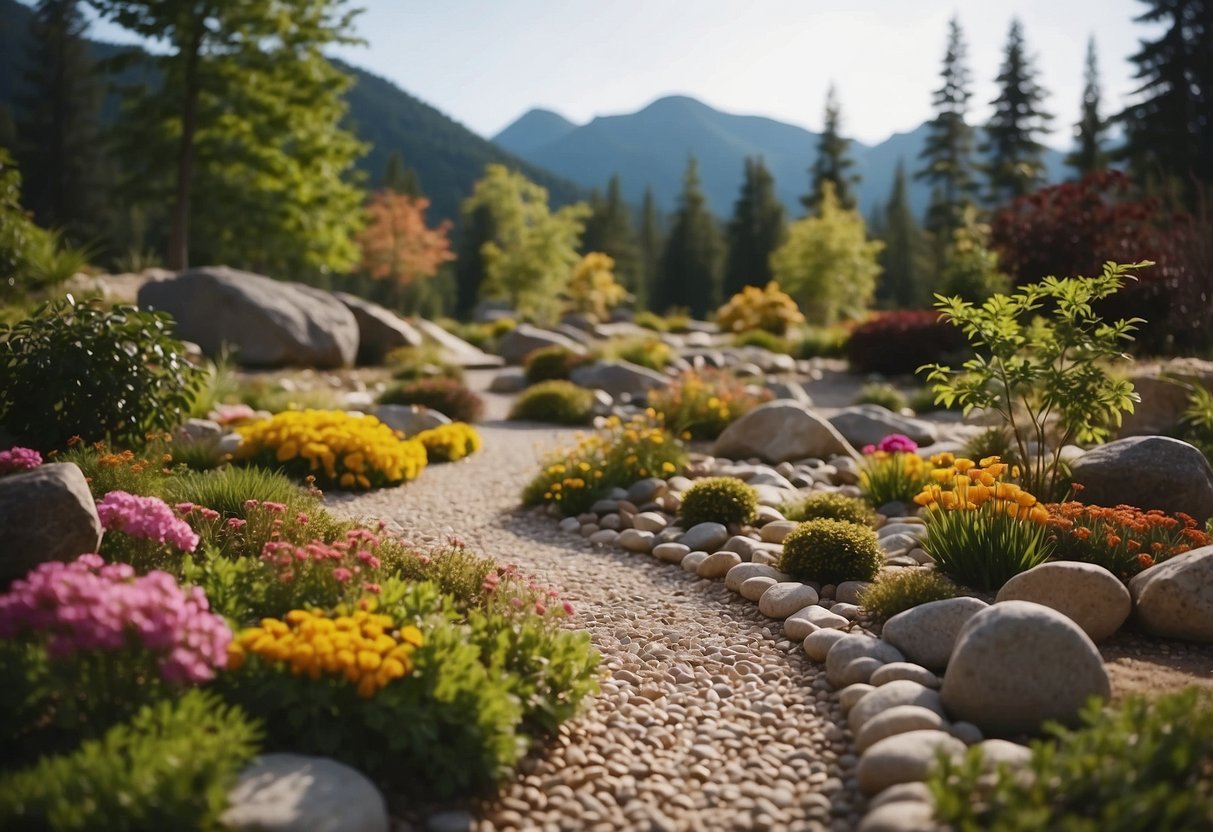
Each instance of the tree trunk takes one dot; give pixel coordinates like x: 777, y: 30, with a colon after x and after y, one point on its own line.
x: 179, y: 244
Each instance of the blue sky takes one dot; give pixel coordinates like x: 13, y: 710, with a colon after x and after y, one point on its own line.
x: 485, y: 62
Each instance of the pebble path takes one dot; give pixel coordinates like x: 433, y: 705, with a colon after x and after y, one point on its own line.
x: 708, y: 718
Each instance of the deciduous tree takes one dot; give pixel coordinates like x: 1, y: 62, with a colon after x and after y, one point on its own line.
x: 397, y: 245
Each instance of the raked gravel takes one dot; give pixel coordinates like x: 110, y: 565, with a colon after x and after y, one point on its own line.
x: 708, y: 718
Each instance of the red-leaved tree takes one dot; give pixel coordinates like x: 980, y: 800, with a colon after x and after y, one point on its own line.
x: 396, y: 243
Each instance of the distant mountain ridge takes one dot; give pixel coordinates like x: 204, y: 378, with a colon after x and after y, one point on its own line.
x: 650, y: 148
x: 447, y: 156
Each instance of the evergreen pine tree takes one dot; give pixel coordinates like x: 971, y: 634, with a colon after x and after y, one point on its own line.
x: 57, y: 127
x: 690, y: 264
x: 1015, y: 164
x: 401, y: 179
x: 756, y: 229
x: 478, y: 226
x: 947, y: 156
x: 650, y: 241
x: 1169, y: 129
x: 1089, y: 155
x: 609, y: 230
x: 901, y: 281
x: 833, y: 160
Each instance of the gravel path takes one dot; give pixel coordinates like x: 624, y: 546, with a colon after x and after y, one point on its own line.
x: 708, y: 719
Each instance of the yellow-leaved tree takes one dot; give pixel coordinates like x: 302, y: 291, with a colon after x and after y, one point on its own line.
x: 593, y: 289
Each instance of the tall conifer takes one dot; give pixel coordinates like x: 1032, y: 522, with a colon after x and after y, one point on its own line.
x: 833, y: 160
x: 901, y: 282
x: 1015, y: 156
x: 756, y: 229
x: 1089, y: 155
x: 690, y: 264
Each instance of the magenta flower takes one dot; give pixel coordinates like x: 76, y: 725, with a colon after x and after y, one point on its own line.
x: 147, y: 518
x: 19, y: 459
x: 88, y: 605
x: 892, y: 444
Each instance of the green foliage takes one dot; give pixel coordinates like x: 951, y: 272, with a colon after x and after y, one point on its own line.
x: 1138, y: 766
x: 652, y: 353
x: 1197, y: 420
x: 447, y: 396
x: 608, y: 229
x: 822, y: 342
x: 1012, y: 143
x: 892, y: 477
x: 895, y: 592
x: 551, y: 363
x: 763, y: 340
x: 1089, y: 155
x: 831, y: 551
x: 755, y: 230
x: 412, y: 363
x: 228, y: 489
x: 691, y: 261
x: 169, y: 767
x: 903, y: 260
x: 57, y: 386
x: 828, y: 264
x: 993, y: 441
x: 983, y: 548
x: 922, y: 400
x: 529, y: 258
x: 558, y: 401
x: 1031, y: 368
x: 108, y: 470
x: 883, y: 394
x: 970, y: 267
x: 275, y: 396
x: 725, y: 500
x: 703, y: 404
x: 830, y: 505
x: 832, y: 162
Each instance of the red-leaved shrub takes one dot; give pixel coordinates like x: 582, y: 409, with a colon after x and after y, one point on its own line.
x: 900, y: 342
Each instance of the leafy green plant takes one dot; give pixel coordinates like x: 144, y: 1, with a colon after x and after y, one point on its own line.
x: 1041, y: 355
x: 763, y: 340
x: 447, y: 396
x: 726, y: 500
x: 412, y: 363
x: 551, y: 363
x: 831, y: 551
x: 169, y: 767
x: 894, y: 592
x: 652, y: 353
x: 892, y: 477
x: 1197, y: 420
x: 885, y: 395
x: 80, y: 369
x: 922, y: 400
x: 1141, y: 765
x: 822, y: 342
x: 832, y: 506
x: 275, y: 396
x: 995, y: 440
x: 558, y: 401
x: 228, y: 490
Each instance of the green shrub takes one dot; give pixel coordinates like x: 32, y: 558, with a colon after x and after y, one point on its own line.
x: 412, y: 363
x: 822, y: 342
x: 885, y: 395
x: 57, y: 386
x: 652, y: 353
x: 726, y: 500
x: 704, y: 403
x: 447, y: 396
x: 169, y: 767
x: 561, y: 402
x: 922, y: 400
x: 830, y: 505
x: 274, y: 396
x: 1139, y: 766
x: 651, y: 320
x: 831, y: 551
x: 551, y: 363
x: 763, y: 340
x: 895, y: 592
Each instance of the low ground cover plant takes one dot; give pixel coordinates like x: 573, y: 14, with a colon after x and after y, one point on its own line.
x: 725, y: 500
x: 652, y: 353
x: 558, y: 401
x: 551, y: 363
x: 830, y: 505
x: 448, y: 396
x: 450, y: 443
x: 831, y: 551
x: 705, y: 402
x: 616, y: 455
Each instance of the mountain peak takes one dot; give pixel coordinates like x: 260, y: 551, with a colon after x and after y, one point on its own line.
x: 532, y: 130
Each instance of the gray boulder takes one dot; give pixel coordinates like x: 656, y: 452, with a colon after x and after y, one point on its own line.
x: 270, y: 323
x: 380, y: 330
x: 618, y: 378
x: 1087, y: 594
x: 1175, y: 598
x: 45, y: 514
x: 1150, y: 472
x: 524, y: 339
x: 1017, y: 665
x: 409, y: 419
x: 867, y: 424
x: 927, y: 633
x: 781, y: 431
x: 455, y: 350
x: 294, y: 793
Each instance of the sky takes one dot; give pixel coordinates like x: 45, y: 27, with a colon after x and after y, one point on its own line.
x: 486, y: 62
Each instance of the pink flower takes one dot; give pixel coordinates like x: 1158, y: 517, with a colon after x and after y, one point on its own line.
x: 19, y: 459
x: 274, y: 507
x: 184, y: 508
x: 341, y: 574
x: 235, y: 523
x: 568, y: 608
x: 374, y: 589
x: 301, y: 519
x: 897, y: 442
x: 146, y: 518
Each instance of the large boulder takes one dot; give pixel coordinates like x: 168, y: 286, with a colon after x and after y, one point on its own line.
x: 380, y: 330
x: 782, y: 431
x: 269, y: 323
x: 409, y: 419
x: 1017, y: 665
x: 1150, y: 472
x: 1175, y: 598
x: 1165, y: 395
x: 294, y: 793
x: 618, y: 378
x: 524, y: 339
x: 455, y: 350
x: 927, y: 633
x: 867, y: 424
x: 1087, y: 594
x: 46, y: 514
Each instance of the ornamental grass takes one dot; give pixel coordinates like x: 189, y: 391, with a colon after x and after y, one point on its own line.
x: 338, y: 449
x: 981, y: 530
x: 892, y: 471
x: 1123, y: 539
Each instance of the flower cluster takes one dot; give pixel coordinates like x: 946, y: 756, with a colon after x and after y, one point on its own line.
x: 19, y: 459
x: 145, y: 518
x: 892, y: 474
x: 88, y: 605
x: 617, y: 455
x: 892, y: 444
x: 342, y: 560
x: 339, y: 449
x: 449, y: 443
x: 961, y: 484
x: 768, y: 308
x: 368, y: 650
x: 703, y: 403
x: 1124, y: 539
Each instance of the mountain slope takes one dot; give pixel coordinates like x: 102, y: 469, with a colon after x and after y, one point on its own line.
x: 535, y: 129
x: 447, y: 156
x: 650, y: 148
